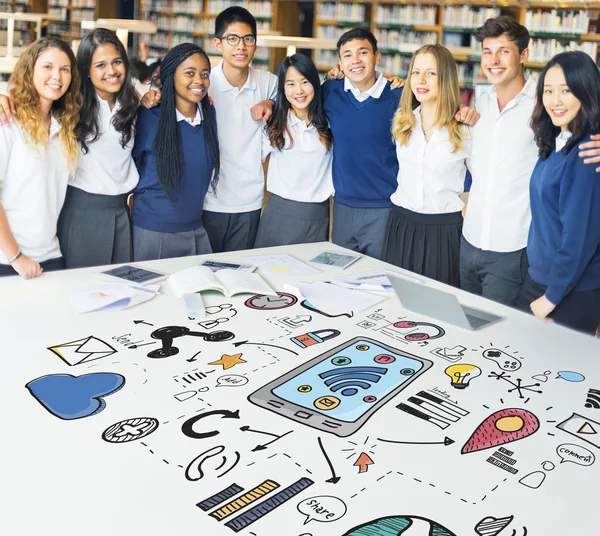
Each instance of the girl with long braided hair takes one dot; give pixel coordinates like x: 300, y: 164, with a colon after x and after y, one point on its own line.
x: 177, y: 155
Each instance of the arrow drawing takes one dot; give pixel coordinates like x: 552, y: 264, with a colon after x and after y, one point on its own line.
x: 363, y: 462
x: 193, y: 358
x: 134, y: 346
x: 188, y: 426
x: 334, y: 478
x: 264, y: 446
x: 447, y: 441
x: 236, y: 344
x: 295, y: 322
x: 142, y: 322
x: 451, y: 354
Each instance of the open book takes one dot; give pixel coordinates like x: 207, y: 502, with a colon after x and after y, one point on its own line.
x: 229, y: 282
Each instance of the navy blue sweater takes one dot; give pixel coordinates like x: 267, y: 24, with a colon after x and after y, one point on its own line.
x: 152, y: 209
x: 365, y: 166
x: 564, y: 237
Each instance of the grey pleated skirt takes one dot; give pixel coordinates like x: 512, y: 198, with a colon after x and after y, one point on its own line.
x: 285, y: 222
x: 152, y: 245
x: 94, y: 229
x: 427, y: 244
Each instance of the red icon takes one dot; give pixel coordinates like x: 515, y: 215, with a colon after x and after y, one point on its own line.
x: 384, y: 359
x: 369, y: 399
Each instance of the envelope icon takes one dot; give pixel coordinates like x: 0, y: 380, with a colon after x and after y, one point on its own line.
x: 83, y: 350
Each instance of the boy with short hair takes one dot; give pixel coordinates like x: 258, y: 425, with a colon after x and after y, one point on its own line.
x: 242, y: 99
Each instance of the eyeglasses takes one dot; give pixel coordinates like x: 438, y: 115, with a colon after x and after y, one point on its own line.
x: 233, y: 40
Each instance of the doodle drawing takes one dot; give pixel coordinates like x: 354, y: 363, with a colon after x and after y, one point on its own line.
x: 270, y: 303
x: 130, y: 430
x: 362, y: 462
x: 241, y: 502
x: 83, y: 350
x: 324, y: 509
x: 168, y: 333
x: 450, y: 354
x: 339, y: 390
x: 399, y: 525
x: 188, y: 426
x: 502, y: 359
x: 462, y: 375
x: 593, y: 399
x: 501, y: 427
x: 568, y: 452
x: 570, y: 376
x: 582, y: 428
x: 219, y: 498
x: 74, y: 397
x: 227, y: 361
x: 314, y: 337
x: 492, y: 526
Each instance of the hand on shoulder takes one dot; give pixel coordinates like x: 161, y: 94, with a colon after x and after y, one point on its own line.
x: 7, y: 110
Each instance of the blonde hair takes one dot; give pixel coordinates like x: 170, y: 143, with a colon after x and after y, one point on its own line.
x: 27, y: 100
x: 448, y: 99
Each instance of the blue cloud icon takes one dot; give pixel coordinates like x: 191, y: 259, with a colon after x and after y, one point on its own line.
x: 74, y: 397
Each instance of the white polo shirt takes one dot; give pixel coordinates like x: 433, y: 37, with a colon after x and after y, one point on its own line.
x: 241, y: 180
x: 107, y: 168
x: 503, y: 156
x: 431, y: 177
x: 33, y: 184
x: 302, y: 171
x: 374, y: 91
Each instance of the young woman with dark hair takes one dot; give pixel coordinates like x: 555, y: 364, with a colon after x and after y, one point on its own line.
x: 563, y: 282
x: 177, y: 155
x: 299, y: 140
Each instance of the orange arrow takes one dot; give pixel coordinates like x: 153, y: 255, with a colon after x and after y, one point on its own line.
x: 363, y: 462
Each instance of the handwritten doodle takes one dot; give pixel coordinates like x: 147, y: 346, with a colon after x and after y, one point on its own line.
x: 130, y: 430
x: 331, y: 382
x: 193, y: 358
x: 593, y: 399
x: 83, y: 350
x: 366, y: 324
x: 570, y: 376
x: 240, y: 343
x: 517, y: 386
x: 143, y: 322
x: 433, y: 409
x: 188, y: 426
x: 218, y: 498
x: 228, y: 361
x: 501, y: 427
x: 542, y: 377
x: 295, y: 322
x: 191, y: 377
x: 264, y: 446
x: 362, y: 462
x: 131, y: 345
x: 241, y: 502
x: 226, y: 309
x: 270, y: 303
x: 568, y: 452
x: 504, y: 361
x: 462, y: 375
x: 323, y: 509
x: 268, y: 505
x: 167, y: 334
x: 334, y: 478
x: 307, y: 305
x: 446, y: 442
x: 492, y: 526
x: 418, y: 333
x: 453, y: 354
x: 502, y: 459
x: 536, y: 478
x: 75, y: 397
x: 186, y: 395
x: 314, y: 337
x: 582, y: 428
x: 399, y: 525
x: 231, y: 380
x: 195, y: 469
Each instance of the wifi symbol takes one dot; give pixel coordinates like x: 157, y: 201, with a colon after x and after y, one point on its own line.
x: 347, y: 379
x: 593, y: 399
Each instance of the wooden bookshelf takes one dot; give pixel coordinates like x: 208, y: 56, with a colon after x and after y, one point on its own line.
x: 72, y: 12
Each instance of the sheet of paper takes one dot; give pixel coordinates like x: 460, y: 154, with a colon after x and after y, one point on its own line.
x: 335, y: 299
x: 281, y: 265
x: 375, y: 280
x: 106, y: 296
x: 192, y: 280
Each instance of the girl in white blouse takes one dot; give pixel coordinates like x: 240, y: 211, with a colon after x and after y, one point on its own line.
x: 298, y: 139
x: 38, y: 151
x: 424, y: 229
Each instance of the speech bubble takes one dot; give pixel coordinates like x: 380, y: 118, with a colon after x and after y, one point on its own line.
x: 568, y: 452
x: 570, y: 376
x: 231, y: 380
x: 322, y: 508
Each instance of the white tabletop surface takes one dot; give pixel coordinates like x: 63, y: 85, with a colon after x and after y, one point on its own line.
x: 59, y: 477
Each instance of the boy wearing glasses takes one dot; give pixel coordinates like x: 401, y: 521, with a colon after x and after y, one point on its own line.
x: 242, y: 97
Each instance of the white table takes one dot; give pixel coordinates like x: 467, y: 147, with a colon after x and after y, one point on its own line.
x: 59, y: 477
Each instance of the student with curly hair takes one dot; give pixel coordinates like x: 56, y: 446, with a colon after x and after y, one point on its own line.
x: 38, y: 151
x: 298, y: 139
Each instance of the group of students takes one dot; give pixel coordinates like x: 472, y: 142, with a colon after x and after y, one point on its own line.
x: 78, y: 143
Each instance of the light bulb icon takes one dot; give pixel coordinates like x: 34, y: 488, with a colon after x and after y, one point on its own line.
x: 462, y: 374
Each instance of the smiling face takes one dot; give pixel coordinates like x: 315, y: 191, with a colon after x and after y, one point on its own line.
x: 107, y: 72
x: 501, y: 61
x: 424, y: 78
x: 191, y: 80
x: 560, y: 103
x: 51, y: 76
x: 298, y: 91
x: 240, y: 55
x: 358, y: 62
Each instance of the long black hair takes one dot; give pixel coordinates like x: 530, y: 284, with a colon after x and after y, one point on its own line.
x: 583, y: 79
x: 167, y: 143
x: 277, y: 124
x: 88, y: 128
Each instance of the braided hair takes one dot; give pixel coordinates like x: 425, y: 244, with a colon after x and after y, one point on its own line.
x: 167, y: 143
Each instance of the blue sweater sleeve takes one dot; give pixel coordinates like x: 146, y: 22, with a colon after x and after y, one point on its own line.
x: 578, y: 206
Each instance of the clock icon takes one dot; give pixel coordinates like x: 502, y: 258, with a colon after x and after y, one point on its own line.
x: 269, y: 303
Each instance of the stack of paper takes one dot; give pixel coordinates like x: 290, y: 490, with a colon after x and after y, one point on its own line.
x: 376, y: 281
x: 108, y: 296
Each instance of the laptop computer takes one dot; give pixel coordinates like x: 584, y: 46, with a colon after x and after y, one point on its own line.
x: 434, y: 303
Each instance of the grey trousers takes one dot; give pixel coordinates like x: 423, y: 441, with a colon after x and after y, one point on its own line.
x: 231, y: 231
x: 153, y: 245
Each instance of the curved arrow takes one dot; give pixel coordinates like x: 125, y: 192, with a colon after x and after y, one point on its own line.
x: 236, y: 344
x: 188, y: 426
x: 334, y: 478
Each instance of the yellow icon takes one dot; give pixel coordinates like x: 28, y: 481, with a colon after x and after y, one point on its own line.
x: 462, y: 374
x: 305, y: 388
x: 228, y: 361
x: 327, y: 402
x: 363, y: 347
